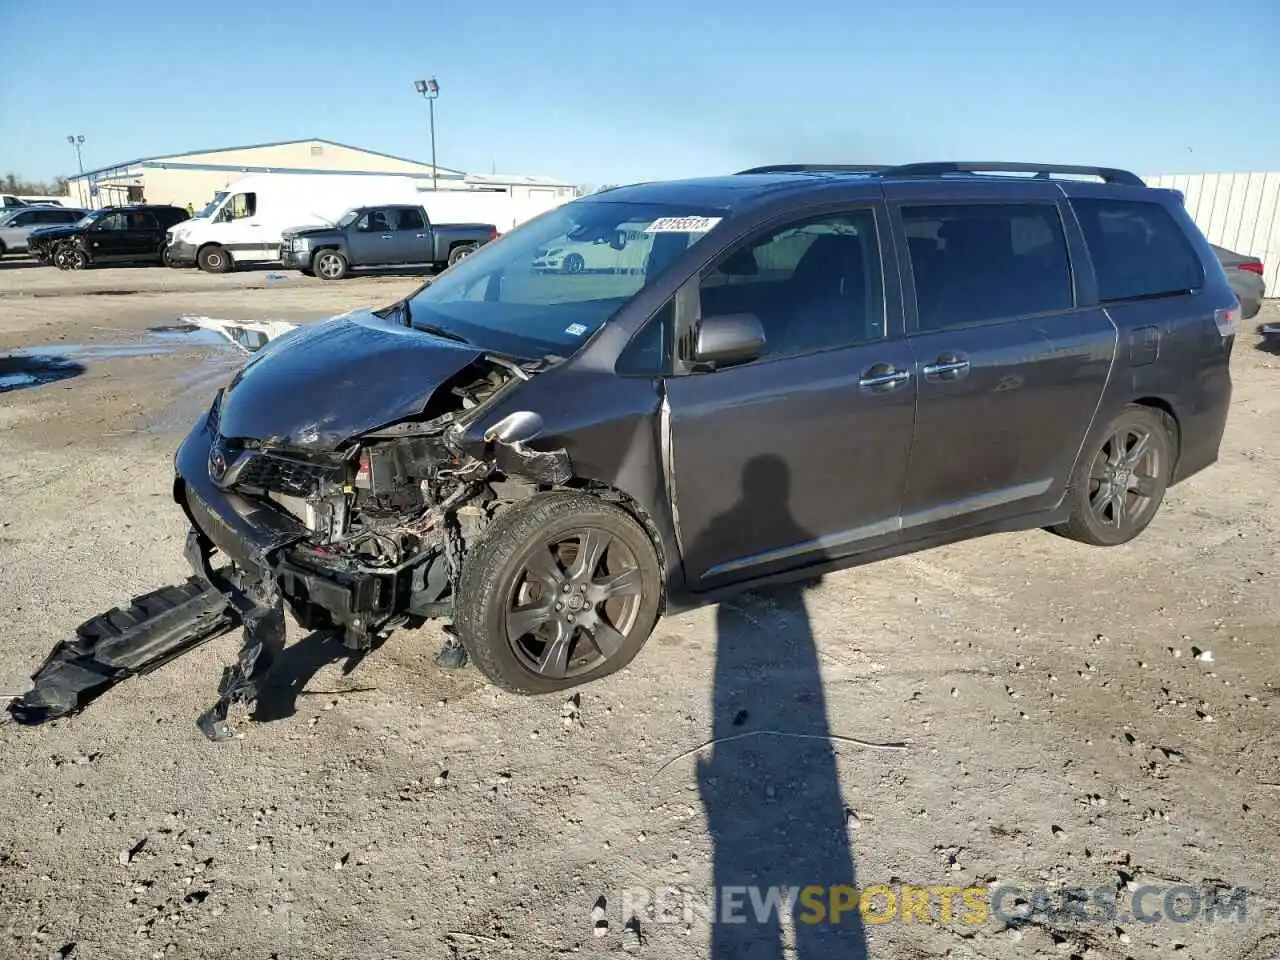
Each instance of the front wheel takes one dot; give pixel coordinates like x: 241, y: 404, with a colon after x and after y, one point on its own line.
x: 1120, y: 480
x: 68, y: 256
x: 563, y: 589
x: 329, y: 265
x: 214, y: 259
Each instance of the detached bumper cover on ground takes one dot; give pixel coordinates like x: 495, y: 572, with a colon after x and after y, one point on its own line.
x: 152, y: 630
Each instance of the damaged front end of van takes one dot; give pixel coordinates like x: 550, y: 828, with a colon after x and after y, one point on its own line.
x: 334, y: 479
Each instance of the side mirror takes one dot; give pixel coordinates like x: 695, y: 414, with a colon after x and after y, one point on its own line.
x: 619, y: 240
x: 729, y: 338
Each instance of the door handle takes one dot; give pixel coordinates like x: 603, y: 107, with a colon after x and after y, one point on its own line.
x: 948, y: 366
x: 420, y: 236
x: 882, y: 376
x: 386, y: 236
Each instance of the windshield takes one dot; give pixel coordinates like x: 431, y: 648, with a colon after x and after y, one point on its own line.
x: 348, y: 218
x: 7, y: 215
x: 548, y: 285
x: 90, y: 217
x: 208, y: 209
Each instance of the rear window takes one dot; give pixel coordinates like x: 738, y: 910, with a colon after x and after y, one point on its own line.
x: 1138, y: 250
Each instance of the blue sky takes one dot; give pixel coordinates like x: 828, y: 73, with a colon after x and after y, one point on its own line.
x: 666, y: 88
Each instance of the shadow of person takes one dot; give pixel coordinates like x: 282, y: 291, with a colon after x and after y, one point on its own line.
x: 773, y: 803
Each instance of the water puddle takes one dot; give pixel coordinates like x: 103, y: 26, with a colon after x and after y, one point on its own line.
x: 21, y: 371
x: 44, y: 363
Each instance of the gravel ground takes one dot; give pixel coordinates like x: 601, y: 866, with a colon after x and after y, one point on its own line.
x: 1069, y: 717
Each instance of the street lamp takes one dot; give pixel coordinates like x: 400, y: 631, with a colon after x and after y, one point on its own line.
x: 430, y: 89
x: 77, y: 141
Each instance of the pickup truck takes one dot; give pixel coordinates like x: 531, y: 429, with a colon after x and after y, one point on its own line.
x: 383, y: 236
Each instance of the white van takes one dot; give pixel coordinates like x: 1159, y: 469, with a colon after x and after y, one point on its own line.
x: 244, y: 222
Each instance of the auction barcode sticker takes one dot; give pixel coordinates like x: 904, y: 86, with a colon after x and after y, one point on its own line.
x: 682, y: 224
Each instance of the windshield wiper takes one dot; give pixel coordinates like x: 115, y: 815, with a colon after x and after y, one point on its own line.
x: 435, y: 330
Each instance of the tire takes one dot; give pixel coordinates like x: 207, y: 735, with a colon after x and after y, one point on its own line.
x: 495, y: 578
x: 573, y: 263
x: 68, y: 256
x: 1143, y: 470
x: 461, y: 252
x: 3, y: 250
x: 214, y: 259
x: 329, y: 265
x: 166, y: 258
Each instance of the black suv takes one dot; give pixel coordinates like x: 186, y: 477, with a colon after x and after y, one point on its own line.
x: 757, y: 377
x: 112, y: 235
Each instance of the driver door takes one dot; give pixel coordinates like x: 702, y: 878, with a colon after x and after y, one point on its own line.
x: 108, y: 238
x: 371, y: 241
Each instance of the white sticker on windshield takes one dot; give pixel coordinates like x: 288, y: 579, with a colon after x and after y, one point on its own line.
x: 575, y: 329
x: 682, y: 224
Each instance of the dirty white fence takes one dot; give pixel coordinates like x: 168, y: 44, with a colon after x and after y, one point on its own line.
x: 1239, y: 211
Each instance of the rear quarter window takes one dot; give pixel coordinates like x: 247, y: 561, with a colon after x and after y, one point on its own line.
x: 1139, y: 251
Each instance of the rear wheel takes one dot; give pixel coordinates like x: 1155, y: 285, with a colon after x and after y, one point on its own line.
x: 573, y: 263
x: 329, y: 265
x: 1121, y: 479
x: 461, y: 253
x: 214, y: 259
x: 563, y: 589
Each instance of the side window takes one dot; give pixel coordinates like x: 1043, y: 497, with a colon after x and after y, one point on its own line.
x: 814, y: 284
x: 114, y: 221
x: 25, y: 219
x: 648, y: 353
x: 987, y: 261
x: 1138, y: 250
x: 243, y: 205
x: 66, y: 216
x: 375, y: 221
x: 410, y: 219
x: 141, y: 220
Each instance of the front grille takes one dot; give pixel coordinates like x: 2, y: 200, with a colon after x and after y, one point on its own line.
x: 298, y: 478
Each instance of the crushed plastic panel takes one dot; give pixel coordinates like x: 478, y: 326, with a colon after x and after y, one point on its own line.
x: 118, y: 644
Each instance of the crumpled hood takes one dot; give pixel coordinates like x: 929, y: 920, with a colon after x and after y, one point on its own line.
x: 324, y: 383
x: 311, y: 230
x: 49, y: 233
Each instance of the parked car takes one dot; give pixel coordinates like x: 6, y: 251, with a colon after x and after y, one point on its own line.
x: 116, y: 235
x: 381, y: 236
x: 1245, y: 274
x: 17, y: 223
x: 817, y: 368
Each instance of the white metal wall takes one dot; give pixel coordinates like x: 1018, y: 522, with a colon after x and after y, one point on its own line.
x: 1239, y: 211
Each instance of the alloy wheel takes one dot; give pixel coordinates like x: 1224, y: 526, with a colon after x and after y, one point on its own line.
x: 573, y: 603
x: 1125, y: 478
x: 328, y: 266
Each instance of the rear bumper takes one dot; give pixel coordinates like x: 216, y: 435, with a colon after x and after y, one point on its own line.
x: 181, y: 253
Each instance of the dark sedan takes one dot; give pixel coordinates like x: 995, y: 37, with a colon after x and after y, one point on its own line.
x: 1245, y: 274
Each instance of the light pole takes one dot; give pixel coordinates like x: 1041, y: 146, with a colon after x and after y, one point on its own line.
x: 77, y: 140
x: 430, y: 89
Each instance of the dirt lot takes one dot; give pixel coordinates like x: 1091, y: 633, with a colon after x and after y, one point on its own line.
x: 1060, y: 729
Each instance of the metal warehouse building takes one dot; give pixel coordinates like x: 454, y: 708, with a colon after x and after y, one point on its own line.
x: 193, y: 178
x: 1239, y: 211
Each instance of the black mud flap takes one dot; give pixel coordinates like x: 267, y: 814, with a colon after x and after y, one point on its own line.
x: 151, y: 631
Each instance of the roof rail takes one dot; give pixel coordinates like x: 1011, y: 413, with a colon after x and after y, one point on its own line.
x: 938, y: 169
x: 814, y: 168
x: 1041, y: 170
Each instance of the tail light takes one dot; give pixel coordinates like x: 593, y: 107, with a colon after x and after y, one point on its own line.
x: 1227, y: 319
x: 1252, y: 268
x: 493, y: 233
